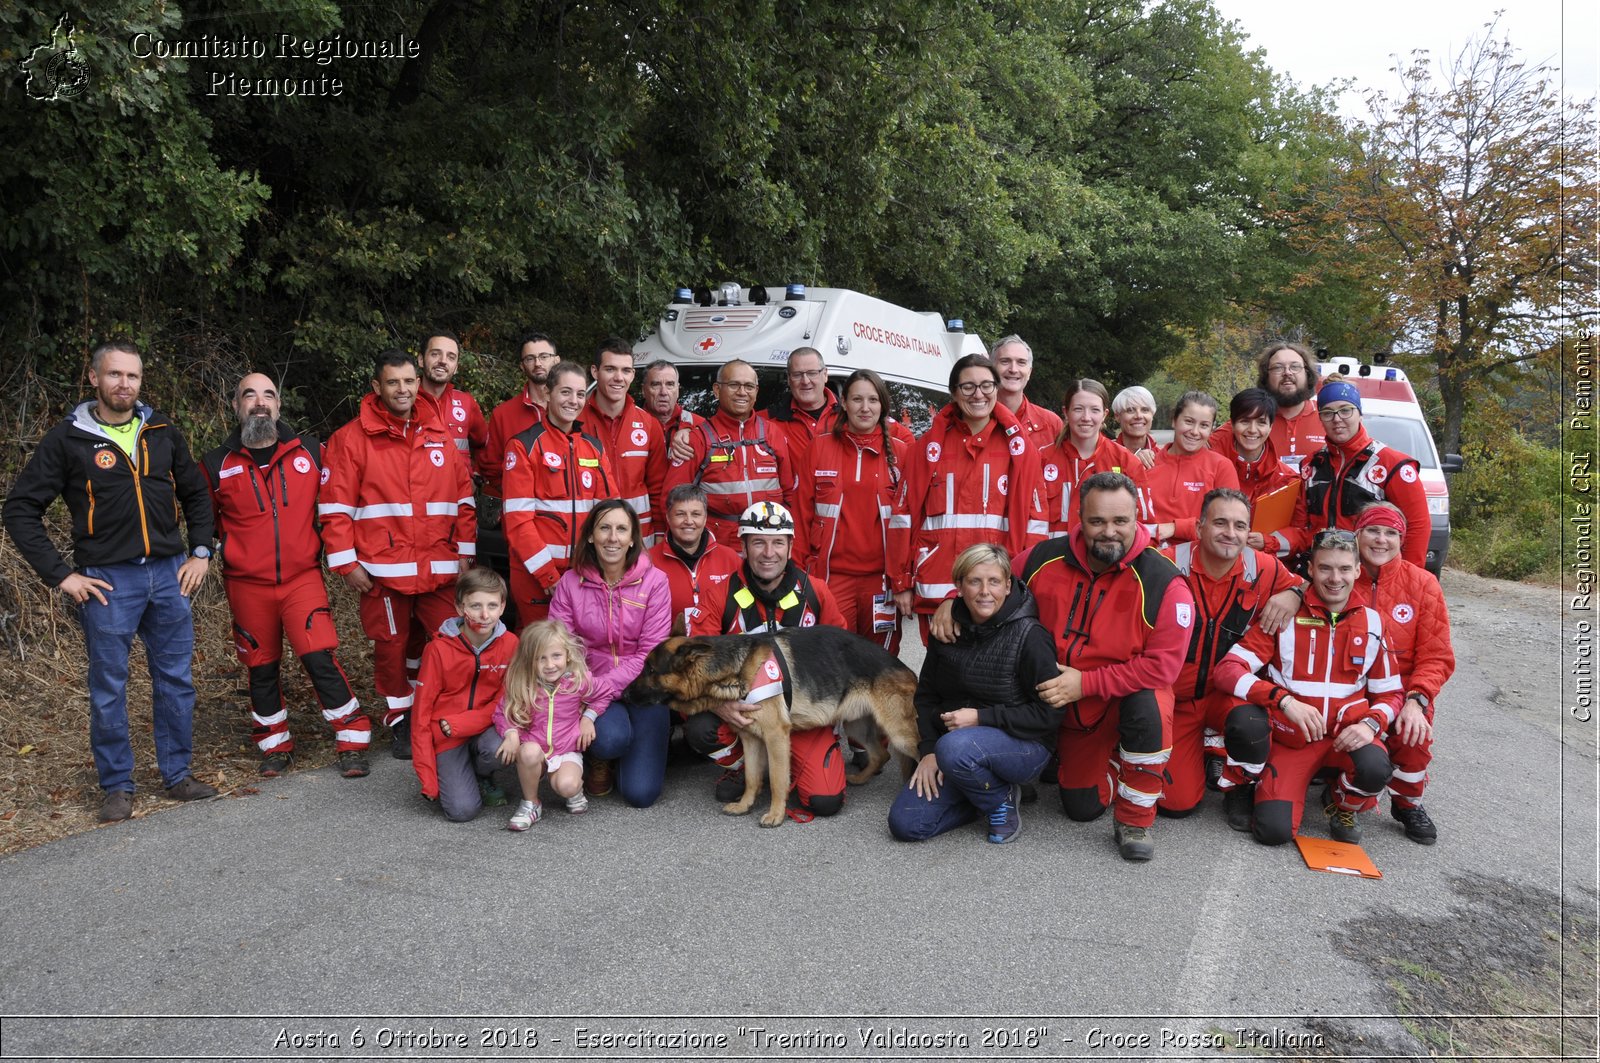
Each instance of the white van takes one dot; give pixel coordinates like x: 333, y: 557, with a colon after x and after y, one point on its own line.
x: 912, y: 350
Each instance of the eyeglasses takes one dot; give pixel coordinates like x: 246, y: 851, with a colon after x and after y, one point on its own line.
x: 738, y: 385
x: 1290, y: 369
x: 544, y: 356
x: 976, y: 387
x: 806, y: 374
x: 1337, y: 413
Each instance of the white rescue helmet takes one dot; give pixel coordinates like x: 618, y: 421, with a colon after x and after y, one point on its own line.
x: 766, y: 518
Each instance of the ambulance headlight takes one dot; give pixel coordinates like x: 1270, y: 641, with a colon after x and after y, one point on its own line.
x: 1439, y: 505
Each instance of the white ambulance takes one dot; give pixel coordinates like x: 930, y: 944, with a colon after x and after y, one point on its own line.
x: 912, y: 350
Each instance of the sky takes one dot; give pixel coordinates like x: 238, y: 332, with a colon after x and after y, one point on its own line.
x: 1315, y: 44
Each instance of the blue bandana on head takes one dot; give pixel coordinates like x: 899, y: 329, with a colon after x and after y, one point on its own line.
x: 1339, y: 391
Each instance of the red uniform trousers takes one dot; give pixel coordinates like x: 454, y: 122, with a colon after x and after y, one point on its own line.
x: 854, y: 595
x: 531, y: 600
x: 386, y: 617
x: 1117, y: 758
x: 1282, y: 789
x: 815, y: 764
x: 263, y: 615
x: 1410, y: 766
x: 1196, y: 735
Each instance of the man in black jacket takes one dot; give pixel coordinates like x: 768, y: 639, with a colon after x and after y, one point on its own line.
x: 123, y: 470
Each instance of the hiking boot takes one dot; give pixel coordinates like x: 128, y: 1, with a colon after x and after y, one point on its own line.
x: 116, y: 807
x: 1135, y: 843
x: 189, y: 788
x: 730, y: 786
x: 494, y: 796
x: 353, y: 764
x: 1005, y: 823
x: 577, y: 804
x: 1239, y: 805
x: 597, y: 777
x: 275, y: 764
x: 1214, y: 766
x: 400, y: 732
x: 527, y: 814
x: 1342, y: 825
x: 1418, y: 824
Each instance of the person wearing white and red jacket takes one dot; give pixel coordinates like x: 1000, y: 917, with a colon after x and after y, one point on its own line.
x: 852, y: 502
x: 1417, y: 632
x: 555, y: 472
x: 972, y: 478
x: 1171, y: 490
x: 1261, y: 472
x: 463, y: 419
x: 697, y: 567
x: 1321, y: 693
x: 1121, y: 615
x: 1081, y: 450
x: 264, y: 482
x: 621, y: 607
x: 1354, y: 470
x: 463, y: 672
x: 398, y: 522
x: 537, y: 354
x: 1288, y: 372
x: 1013, y: 361
x: 632, y: 438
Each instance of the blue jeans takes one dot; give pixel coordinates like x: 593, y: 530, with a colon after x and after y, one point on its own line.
x: 979, y: 765
x: 143, y: 601
x: 635, y: 736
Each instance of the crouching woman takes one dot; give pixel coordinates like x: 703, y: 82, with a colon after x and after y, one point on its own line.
x: 984, y: 730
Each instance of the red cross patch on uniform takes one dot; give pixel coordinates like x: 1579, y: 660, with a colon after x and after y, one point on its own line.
x: 1403, y: 613
x: 302, y: 464
x: 640, y: 437
x: 458, y: 413
x: 552, y: 459
x: 1377, y: 474
x: 1018, y: 444
x: 1003, y: 483
x: 1408, y: 474
x: 437, y: 457
x: 1051, y: 473
x: 933, y: 451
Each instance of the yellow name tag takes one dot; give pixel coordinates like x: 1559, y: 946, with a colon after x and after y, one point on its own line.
x: 1309, y: 621
x: 722, y: 457
x: 589, y: 463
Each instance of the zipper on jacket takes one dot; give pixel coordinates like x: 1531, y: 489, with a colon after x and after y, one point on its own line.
x: 138, y: 489
x: 88, y: 486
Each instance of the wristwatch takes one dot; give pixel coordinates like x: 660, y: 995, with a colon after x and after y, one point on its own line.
x: 202, y: 552
x: 1421, y: 698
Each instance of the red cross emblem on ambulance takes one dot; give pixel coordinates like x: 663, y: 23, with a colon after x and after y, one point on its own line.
x: 709, y: 344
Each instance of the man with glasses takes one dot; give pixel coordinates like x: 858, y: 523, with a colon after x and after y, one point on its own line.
x: 1319, y: 694
x: 736, y: 455
x: 1353, y: 470
x: 523, y: 410
x: 1289, y: 373
x: 810, y: 406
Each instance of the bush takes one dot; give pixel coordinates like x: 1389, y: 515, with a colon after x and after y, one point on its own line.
x: 1506, y: 510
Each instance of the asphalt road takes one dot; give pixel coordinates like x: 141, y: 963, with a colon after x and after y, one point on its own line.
x: 203, y: 932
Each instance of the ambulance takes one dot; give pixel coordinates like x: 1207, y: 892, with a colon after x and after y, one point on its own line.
x: 1393, y: 416
x: 912, y: 350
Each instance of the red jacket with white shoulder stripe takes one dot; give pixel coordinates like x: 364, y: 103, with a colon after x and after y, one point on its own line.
x: 1335, y: 662
x: 852, y: 504
x: 552, y: 479
x: 396, y: 500
x: 637, y: 450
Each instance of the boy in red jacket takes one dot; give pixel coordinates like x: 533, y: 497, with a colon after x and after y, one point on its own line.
x: 453, y: 741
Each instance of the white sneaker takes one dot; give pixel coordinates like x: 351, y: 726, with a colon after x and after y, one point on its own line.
x: 526, y: 815
x: 577, y: 803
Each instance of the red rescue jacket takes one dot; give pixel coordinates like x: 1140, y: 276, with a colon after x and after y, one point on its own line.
x: 739, y: 463
x: 1293, y: 439
x: 266, y: 517
x: 1171, y: 490
x: 459, y: 684
x: 552, y: 480
x: 636, y: 447
x: 1341, y: 481
x: 691, y: 578
x: 1065, y: 469
x: 852, y: 502
x: 800, y: 600
x: 464, y: 421
x: 1226, y: 607
x: 1416, y: 625
x: 509, y: 419
x: 1264, y: 476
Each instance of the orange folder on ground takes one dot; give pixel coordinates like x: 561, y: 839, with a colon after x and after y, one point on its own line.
x: 1339, y: 858
x: 1274, y: 511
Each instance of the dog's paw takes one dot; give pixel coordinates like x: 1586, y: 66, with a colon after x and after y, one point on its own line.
x: 728, y: 691
x: 737, y: 808
x: 772, y: 819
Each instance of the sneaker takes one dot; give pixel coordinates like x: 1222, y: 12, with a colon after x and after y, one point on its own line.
x: 1239, y: 805
x: 1342, y: 825
x: 494, y: 796
x: 400, y: 731
x: 1005, y: 823
x: 596, y: 777
x: 1135, y: 843
x: 189, y: 788
x: 353, y: 764
x: 527, y: 814
x: 730, y: 786
x: 116, y: 807
x: 1214, y: 766
x: 1418, y: 824
x: 276, y: 764
x: 578, y: 804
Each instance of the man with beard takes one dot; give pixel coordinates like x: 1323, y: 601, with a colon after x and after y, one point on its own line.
x: 768, y: 592
x: 441, y: 358
x: 130, y: 573
x: 398, y: 522
x: 521, y: 411
x: 1289, y: 373
x: 1235, y: 588
x: 264, y: 483
x: 1121, y: 615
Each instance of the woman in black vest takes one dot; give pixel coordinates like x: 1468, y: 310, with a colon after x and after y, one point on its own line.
x: 984, y: 729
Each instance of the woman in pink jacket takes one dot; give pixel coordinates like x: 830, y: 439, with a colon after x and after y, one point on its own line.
x: 621, y: 607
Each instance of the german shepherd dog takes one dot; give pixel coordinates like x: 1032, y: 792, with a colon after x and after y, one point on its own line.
x: 829, y: 675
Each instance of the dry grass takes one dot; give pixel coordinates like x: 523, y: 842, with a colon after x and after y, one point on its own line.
x: 48, y: 788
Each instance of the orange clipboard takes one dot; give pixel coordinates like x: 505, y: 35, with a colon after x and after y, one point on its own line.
x: 1338, y: 858
x: 1274, y: 511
